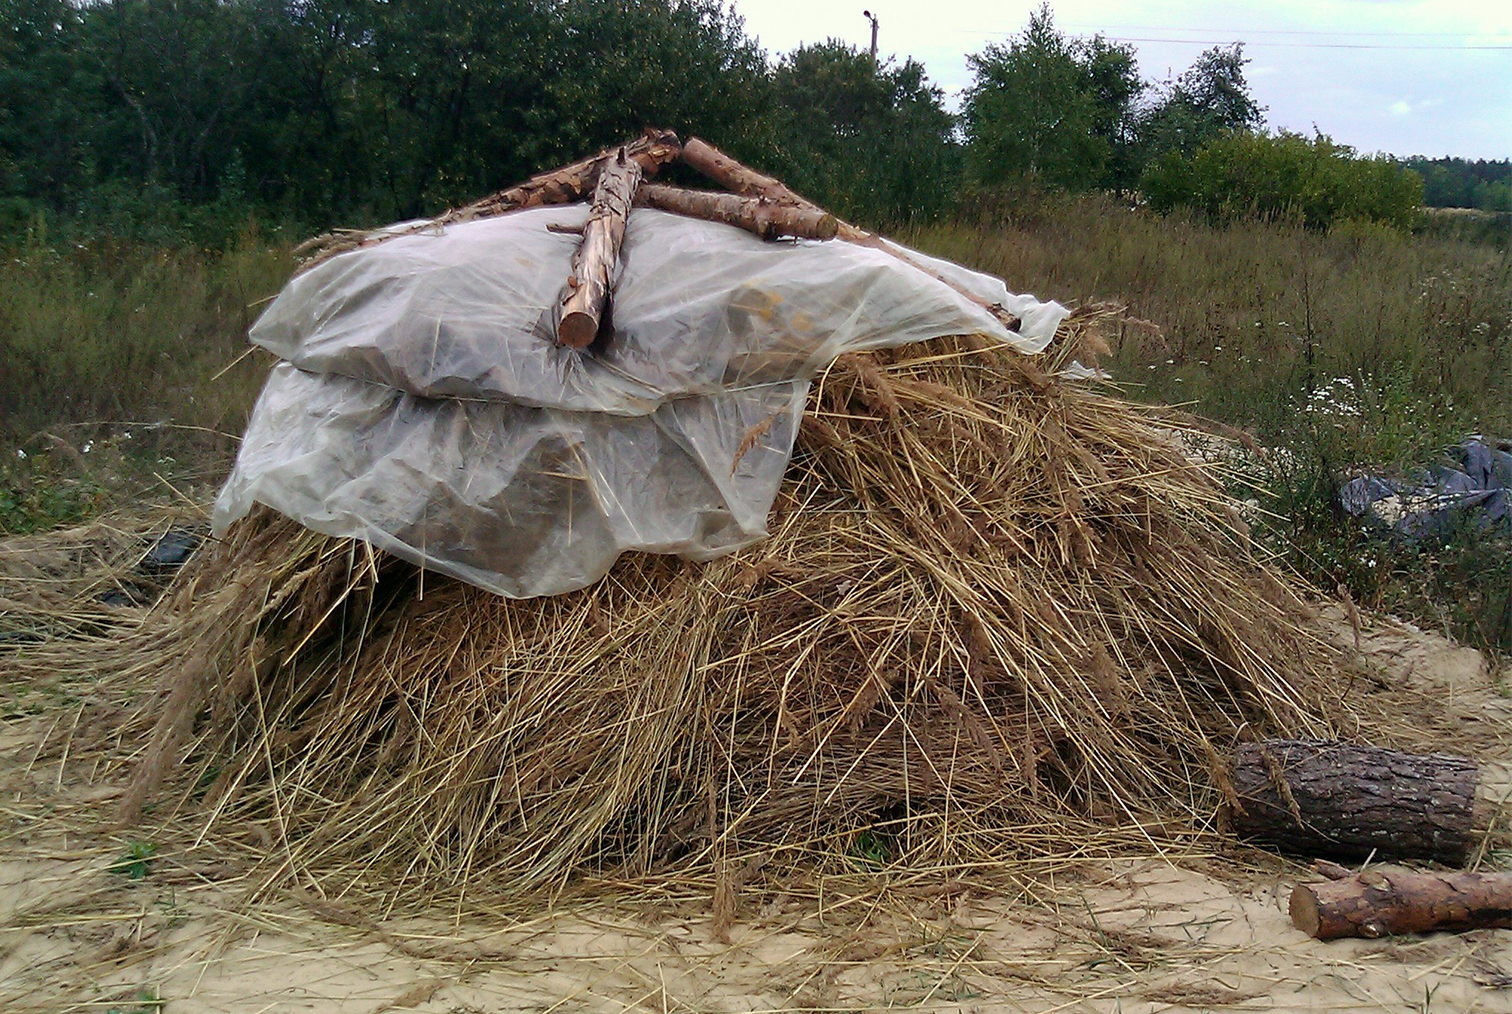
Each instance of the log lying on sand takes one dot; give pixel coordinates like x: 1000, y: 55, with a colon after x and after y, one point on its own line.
x: 1384, y: 900
x: 1348, y: 802
x: 767, y: 219
x: 583, y: 299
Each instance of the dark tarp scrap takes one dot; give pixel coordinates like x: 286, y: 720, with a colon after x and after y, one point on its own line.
x: 1469, y: 487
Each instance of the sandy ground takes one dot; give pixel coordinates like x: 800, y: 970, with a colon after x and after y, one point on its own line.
x: 1194, y: 933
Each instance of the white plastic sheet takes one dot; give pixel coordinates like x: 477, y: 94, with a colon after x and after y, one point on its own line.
x: 423, y: 406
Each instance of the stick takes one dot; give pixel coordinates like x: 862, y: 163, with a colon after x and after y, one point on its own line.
x: 1385, y: 900
x: 741, y: 179
x: 765, y: 218
x: 651, y: 151
x: 738, y: 178
x: 583, y: 299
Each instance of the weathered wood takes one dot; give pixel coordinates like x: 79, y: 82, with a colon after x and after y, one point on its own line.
x: 736, y: 177
x: 586, y: 294
x: 767, y: 219
x: 1384, y: 900
x: 1316, y: 798
x: 651, y: 151
x: 742, y: 179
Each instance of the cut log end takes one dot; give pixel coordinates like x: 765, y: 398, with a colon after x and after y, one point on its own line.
x: 577, y: 329
x: 1304, y: 910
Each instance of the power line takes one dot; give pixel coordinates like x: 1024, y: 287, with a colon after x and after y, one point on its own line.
x: 1239, y: 37
x: 1277, y: 31
x: 1312, y: 45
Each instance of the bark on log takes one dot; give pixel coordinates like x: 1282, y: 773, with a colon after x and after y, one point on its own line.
x: 581, y: 305
x: 767, y: 219
x: 742, y: 179
x: 738, y: 178
x: 1346, y: 802
x: 652, y: 150
x: 1385, y: 900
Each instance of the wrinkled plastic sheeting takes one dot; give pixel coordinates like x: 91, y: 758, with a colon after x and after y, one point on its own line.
x: 1472, y: 488
x: 423, y: 406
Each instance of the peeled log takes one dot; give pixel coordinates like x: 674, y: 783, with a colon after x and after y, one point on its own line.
x: 581, y: 306
x: 1316, y: 798
x: 1385, y: 900
x: 765, y: 218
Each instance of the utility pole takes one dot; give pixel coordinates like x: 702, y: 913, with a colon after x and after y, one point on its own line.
x: 873, y: 19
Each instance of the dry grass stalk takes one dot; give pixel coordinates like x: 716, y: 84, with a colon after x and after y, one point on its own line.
x: 993, y: 607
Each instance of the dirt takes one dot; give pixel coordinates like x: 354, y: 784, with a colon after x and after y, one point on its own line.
x: 90, y: 922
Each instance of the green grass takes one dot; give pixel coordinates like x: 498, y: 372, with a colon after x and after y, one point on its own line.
x: 1359, y: 347
x: 116, y: 332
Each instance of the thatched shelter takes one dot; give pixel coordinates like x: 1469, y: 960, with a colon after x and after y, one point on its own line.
x: 814, y: 551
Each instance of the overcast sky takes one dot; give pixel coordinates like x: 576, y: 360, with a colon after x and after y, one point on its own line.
x: 1408, y: 77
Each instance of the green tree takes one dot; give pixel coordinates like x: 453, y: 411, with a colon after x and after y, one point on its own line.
x: 1052, y: 111
x: 1315, y: 181
x: 1209, y: 98
x: 869, y: 139
x: 39, y: 124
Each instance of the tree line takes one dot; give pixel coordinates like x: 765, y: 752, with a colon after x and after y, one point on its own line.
x: 118, y: 114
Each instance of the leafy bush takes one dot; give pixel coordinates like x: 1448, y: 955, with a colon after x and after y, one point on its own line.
x: 1284, y: 176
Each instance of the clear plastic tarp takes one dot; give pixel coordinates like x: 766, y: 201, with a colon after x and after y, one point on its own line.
x: 422, y: 405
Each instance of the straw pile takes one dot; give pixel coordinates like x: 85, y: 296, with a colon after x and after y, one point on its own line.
x: 990, y: 600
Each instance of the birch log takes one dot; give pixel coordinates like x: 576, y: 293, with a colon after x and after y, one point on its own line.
x: 580, y: 309
x: 767, y: 219
x: 741, y: 179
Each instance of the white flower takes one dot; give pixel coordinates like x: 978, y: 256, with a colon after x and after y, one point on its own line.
x: 20, y: 454
x: 88, y: 446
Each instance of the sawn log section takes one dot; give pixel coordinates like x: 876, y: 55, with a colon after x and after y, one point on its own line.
x: 1334, y: 800
x: 1383, y: 900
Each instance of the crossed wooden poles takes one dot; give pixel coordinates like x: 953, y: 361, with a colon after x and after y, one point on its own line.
x: 614, y: 182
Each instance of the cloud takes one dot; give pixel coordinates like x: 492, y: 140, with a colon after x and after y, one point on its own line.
x: 1401, y: 107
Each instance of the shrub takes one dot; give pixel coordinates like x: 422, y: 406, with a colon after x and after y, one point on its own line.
x: 1285, y: 176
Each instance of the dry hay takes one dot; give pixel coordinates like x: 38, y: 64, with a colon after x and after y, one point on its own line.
x: 994, y: 607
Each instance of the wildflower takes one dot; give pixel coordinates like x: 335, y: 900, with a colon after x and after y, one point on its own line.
x: 20, y: 454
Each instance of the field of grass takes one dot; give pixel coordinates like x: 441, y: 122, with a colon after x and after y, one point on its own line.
x: 120, y: 369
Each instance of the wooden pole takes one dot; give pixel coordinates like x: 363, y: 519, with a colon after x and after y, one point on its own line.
x: 581, y: 306
x: 738, y: 178
x: 651, y: 151
x: 1385, y: 900
x: 732, y: 175
x: 767, y: 219
x: 1316, y: 798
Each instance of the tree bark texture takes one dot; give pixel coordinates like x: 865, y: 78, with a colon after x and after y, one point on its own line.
x: 1316, y: 798
x: 581, y: 306
x: 651, y: 151
x: 767, y: 219
x: 741, y: 179
x: 736, y: 177
x: 1383, y: 900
